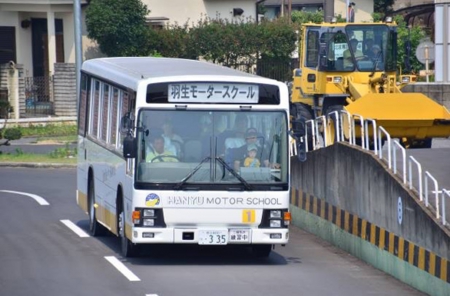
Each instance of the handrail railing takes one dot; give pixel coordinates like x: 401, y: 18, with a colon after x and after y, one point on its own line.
x: 375, y: 138
x: 351, y: 134
x: 323, y: 119
x: 362, y: 122
x: 388, y: 137
x: 436, y: 192
x: 313, y: 134
x: 394, y: 151
x: 419, y: 175
x: 444, y: 193
x: 379, y: 133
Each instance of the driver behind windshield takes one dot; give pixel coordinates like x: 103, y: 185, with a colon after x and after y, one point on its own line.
x: 348, y: 60
x: 157, y: 153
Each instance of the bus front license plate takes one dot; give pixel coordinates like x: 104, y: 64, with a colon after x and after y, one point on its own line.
x: 239, y: 235
x: 213, y: 237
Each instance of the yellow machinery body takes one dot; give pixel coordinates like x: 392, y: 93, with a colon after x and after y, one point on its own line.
x: 340, y: 69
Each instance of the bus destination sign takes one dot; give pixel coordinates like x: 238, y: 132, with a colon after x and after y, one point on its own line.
x: 213, y: 93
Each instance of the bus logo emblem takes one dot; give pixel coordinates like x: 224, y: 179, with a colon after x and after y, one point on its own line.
x: 152, y: 200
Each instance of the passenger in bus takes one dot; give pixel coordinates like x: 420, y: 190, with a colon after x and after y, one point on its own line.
x: 238, y: 132
x: 172, y: 141
x: 251, y: 160
x: 251, y: 142
x: 157, y: 153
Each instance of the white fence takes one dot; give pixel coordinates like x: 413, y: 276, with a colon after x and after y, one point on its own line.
x: 410, y: 167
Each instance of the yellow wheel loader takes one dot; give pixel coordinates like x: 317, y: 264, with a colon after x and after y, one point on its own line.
x: 353, y: 67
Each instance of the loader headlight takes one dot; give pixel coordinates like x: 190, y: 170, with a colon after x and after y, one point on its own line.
x: 337, y: 79
x: 406, y: 79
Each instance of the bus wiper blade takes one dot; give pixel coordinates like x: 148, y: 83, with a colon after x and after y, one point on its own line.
x: 246, y: 185
x: 185, y: 179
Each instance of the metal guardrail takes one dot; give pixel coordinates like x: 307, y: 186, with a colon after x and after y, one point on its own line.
x: 393, y: 146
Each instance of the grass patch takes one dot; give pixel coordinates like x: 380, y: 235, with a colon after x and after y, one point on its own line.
x: 60, y: 155
x: 49, y: 130
x: 57, y: 139
x: 35, y: 158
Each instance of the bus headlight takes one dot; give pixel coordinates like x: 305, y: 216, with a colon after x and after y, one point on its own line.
x: 275, y: 223
x: 275, y: 214
x: 149, y: 213
x: 148, y: 222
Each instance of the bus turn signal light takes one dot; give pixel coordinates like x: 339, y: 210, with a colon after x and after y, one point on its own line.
x: 287, y: 218
x: 136, y: 217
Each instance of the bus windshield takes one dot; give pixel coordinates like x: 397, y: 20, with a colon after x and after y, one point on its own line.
x: 204, y: 148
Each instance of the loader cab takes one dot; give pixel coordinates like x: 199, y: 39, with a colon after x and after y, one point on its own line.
x: 362, y: 48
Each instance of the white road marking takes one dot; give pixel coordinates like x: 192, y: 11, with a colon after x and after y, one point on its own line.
x: 74, y: 228
x: 37, y: 198
x: 151, y: 294
x: 122, y: 268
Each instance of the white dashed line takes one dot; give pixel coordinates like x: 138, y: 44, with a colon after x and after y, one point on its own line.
x: 80, y: 232
x: 151, y: 294
x: 37, y: 198
x: 122, y: 268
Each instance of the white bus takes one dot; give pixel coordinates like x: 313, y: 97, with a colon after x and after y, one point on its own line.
x: 174, y: 151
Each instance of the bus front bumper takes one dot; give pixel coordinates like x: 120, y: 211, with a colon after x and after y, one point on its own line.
x: 197, y: 235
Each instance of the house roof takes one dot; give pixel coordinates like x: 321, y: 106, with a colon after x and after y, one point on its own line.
x: 294, y: 2
x: 130, y: 70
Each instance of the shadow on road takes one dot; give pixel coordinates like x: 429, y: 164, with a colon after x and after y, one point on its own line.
x: 191, y: 254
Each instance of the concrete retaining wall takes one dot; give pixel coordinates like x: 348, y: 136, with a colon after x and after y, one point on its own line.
x: 438, y: 92
x: 344, y: 178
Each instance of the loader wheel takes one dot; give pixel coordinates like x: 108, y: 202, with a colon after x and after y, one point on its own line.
x: 332, y: 129
x: 301, y: 111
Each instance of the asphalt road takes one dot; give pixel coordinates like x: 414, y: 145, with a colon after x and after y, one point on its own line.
x: 41, y: 256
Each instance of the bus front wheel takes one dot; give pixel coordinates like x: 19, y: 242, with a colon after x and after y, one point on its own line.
x: 94, y: 227
x: 128, y: 248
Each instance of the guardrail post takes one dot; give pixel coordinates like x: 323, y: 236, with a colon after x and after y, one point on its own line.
x: 419, y: 174
x: 388, y: 137
x: 394, y: 150
x: 364, y: 144
x: 351, y: 133
x: 375, y: 136
x: 323, y: 120
x: 313, y: 134
x: 436, y: 192
x: 337, y: 124
x: 444, y: 193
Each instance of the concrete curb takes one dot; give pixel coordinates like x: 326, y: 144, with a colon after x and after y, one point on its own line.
x: 37, y: 165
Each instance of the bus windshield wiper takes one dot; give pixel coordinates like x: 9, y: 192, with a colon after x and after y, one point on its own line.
x: 225, y: 165
x: 185, y: 179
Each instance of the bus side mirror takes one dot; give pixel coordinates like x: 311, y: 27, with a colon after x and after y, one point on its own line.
x: 129, y: 147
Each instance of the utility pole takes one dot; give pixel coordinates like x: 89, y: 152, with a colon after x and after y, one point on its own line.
x: 290, y: 10
x: 78, y: 45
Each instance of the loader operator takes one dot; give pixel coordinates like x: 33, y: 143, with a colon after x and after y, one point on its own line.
x: 348, y: 58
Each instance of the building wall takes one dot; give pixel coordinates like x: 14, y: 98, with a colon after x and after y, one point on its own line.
x: 363, y: 9
x: 181, y: 11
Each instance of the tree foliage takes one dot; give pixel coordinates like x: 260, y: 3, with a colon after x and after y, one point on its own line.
x: 406, y: 35
x: 383, y: 6
x: 225, y: 42
x: 118, y: 26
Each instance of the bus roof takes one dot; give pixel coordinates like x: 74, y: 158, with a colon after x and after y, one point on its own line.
x: 128, y: 71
